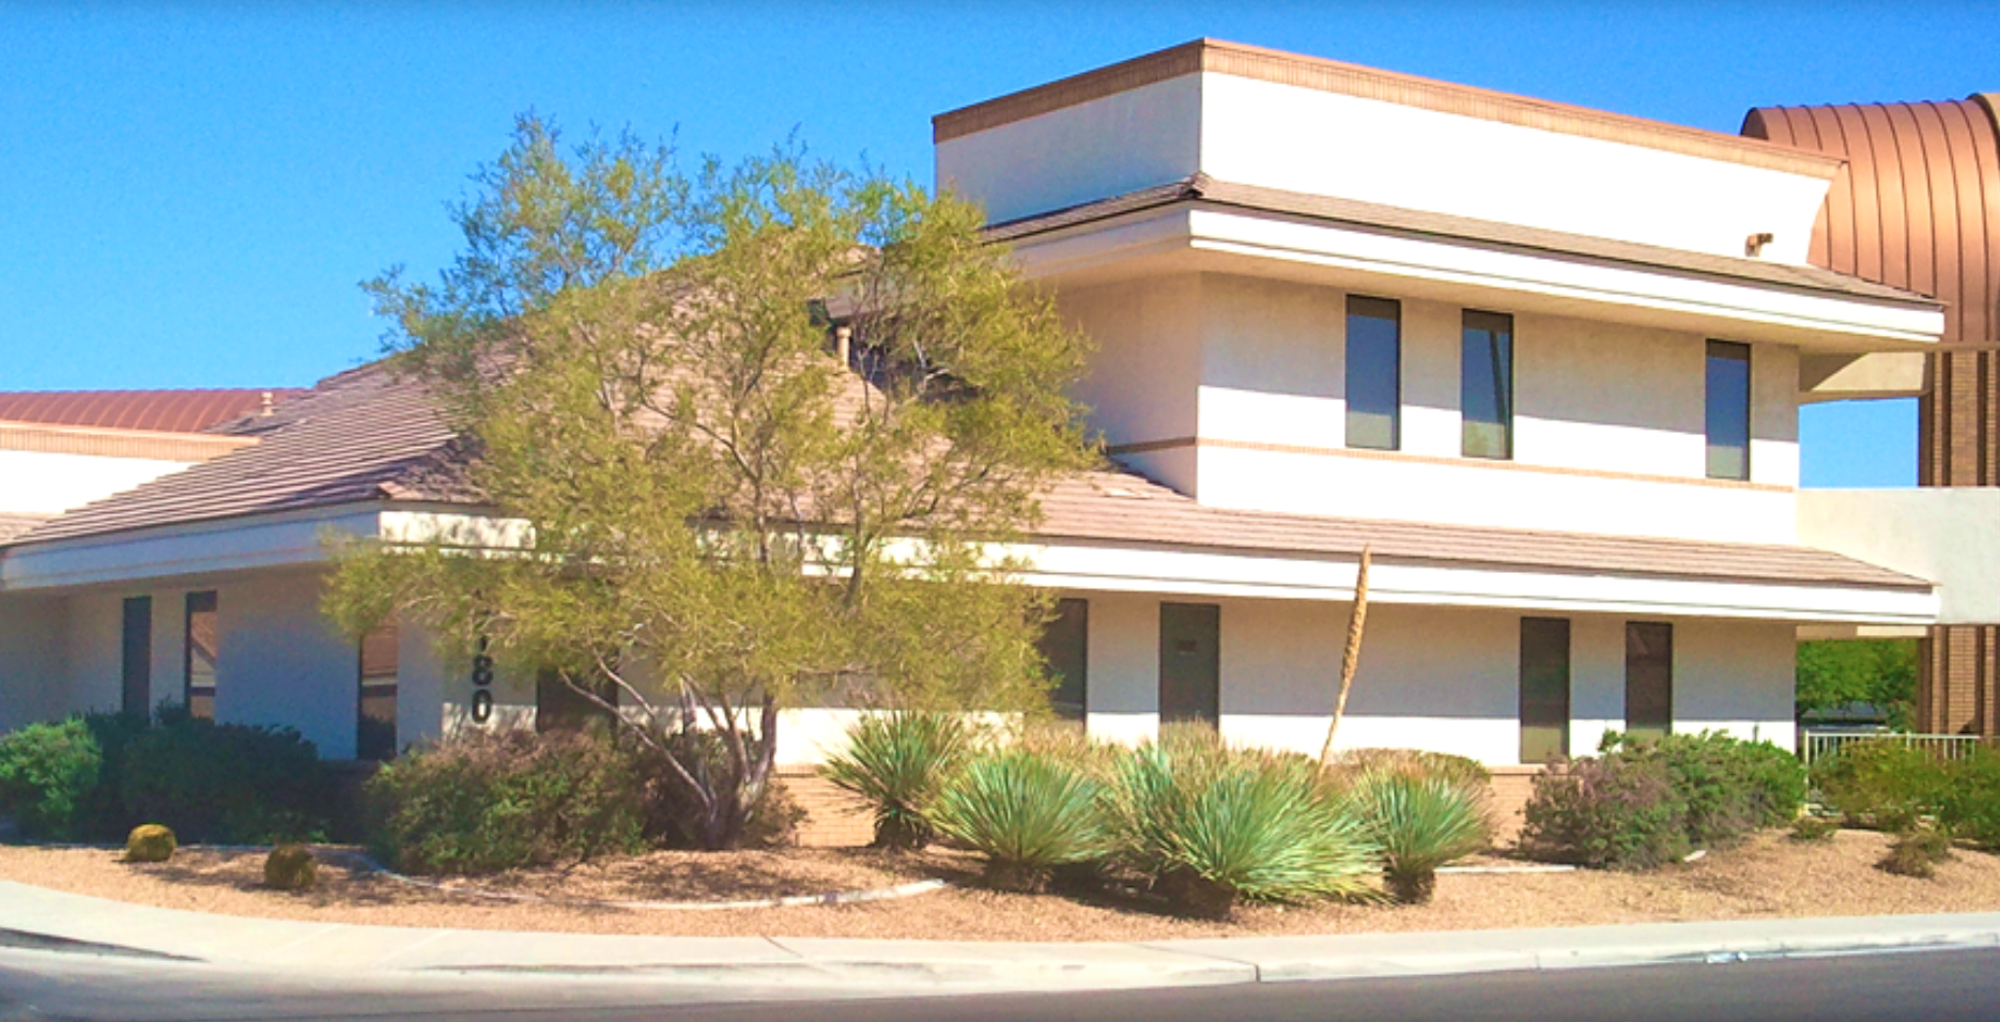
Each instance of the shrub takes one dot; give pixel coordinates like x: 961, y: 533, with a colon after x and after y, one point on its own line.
x: 775, y: 822
x: 48, y: 778
x: 1215, y: 824
x: 1814, y: 828
x: 1971, y: 803
x: 225, y: 783
x: 1421, y: 823
x: 1882, y: 783
x: 290, y: 868
x: 1731, y: 787
x: 1028, y: 812
x: 897, y: 762
x: 1461, y: 771
x: 1609, y: 812
x: 150, y: 842
x: 1916, y: 852
x: 487, y: 801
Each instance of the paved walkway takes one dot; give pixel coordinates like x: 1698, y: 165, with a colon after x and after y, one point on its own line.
x: 34, y: 916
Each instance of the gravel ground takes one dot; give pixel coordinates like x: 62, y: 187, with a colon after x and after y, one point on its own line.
x: 1769, y: 876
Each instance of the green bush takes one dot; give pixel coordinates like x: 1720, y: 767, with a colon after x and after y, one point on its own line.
x: 487, y: 801
x: 1028, y: 812
x: 290, y: 868
x: 1460, y: 771
x: 48, y: 778
x: 225, y: 783
x: 1882, y: 783
x: 1731, y: 787
x: 1917, y: 851
x: 1971, y: 803
x: 1814, y: 828
x: 150, y: 842
x: 1215, y: 824
x: 1421, y: 823
x: 1608, y: 812
x: 897, y: 763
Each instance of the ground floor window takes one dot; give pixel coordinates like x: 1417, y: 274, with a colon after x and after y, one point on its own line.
x: 558, y: 707
x: 375, y: 723
x: 1065, y: 648
x: 1649, y: 678
x: 1544, y: 689
x: 138, y: 656
x: 1190, y: 662
x: 203, y: 647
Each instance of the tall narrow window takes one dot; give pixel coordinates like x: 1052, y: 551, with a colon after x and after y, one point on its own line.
x: 1728, y: 410
x: 1486, y: 386
x: 1649, y: 678
x: 375, y: 721
x: 1190, y: 662
x: 1374, y: 372
x: 204, y: 643
x: 1544, y: 689
x: 138, y: 659
x: 1065, y: 648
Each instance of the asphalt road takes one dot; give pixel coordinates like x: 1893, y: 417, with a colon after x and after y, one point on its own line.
x: 1935, y: 986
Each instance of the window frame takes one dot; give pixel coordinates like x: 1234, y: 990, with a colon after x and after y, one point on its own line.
x: 1717, y: 352
x: 1634, y: 679
x: 1064, y: 607
x: 1527, y: 698
x: 1386, y: 309
x: 369, y: 686
x: 1504, y: 376
x: 206, y: 601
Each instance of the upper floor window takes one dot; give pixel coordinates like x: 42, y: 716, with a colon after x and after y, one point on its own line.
x: 1486, y: 386
x: 1728, y: 410
x: 1374, y: 372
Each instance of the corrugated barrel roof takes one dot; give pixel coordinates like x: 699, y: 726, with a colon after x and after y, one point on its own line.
x: 1916, y: 206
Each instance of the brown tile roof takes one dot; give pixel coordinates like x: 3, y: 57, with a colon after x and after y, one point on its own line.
x: 1121, y: 507
x: 367, y: 435
x: 1208, y: 191
x: 1215, y: 56
x: 359, y: 436
x: 160, y: 411
x: 14, y: 524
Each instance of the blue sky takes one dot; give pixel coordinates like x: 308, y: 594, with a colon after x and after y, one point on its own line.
x: 190, y: 193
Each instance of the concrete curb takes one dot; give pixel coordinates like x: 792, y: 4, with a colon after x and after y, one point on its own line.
x: 58, y: 920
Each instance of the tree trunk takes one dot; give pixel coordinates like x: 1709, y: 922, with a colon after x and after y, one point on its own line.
x: 1350, y: 658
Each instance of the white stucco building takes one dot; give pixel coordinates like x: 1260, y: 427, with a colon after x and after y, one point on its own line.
x: 1544, y: 361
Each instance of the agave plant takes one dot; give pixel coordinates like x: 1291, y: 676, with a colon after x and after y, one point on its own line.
x: 1028, y: 812
x: 1217, y: 825
x: 897, y: 762
x: 1421, y: 823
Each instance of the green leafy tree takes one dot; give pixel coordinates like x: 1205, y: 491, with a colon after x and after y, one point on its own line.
x: 1880, y: 672
x: 724, y: 518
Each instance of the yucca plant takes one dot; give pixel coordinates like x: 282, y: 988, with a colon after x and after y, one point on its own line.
x: 1216, y: 825
x: 1028, y: 812
x: 1420, y: 823
x: 897, y: 762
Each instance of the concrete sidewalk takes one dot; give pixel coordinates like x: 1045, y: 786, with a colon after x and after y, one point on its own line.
x: 34, y: 916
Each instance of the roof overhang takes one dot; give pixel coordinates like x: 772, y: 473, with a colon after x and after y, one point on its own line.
x: 1199, y: 235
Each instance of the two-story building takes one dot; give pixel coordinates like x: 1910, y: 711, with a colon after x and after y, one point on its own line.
x: 1544, y: 362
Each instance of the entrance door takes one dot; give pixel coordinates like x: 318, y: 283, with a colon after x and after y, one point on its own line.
x: 1190, y: 662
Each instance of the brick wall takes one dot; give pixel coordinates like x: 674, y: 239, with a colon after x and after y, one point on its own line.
x: 834, y: 818
x: 1509, y: 791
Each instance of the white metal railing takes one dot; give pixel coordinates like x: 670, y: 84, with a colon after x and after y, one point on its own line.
x: 1816, y: 745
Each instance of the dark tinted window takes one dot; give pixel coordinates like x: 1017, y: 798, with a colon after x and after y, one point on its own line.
x: 1649, y: 678
x: 1486, y: 386
x: 204, y: 646
x: 559, y: 707
x: 375, y: 726
x: 1728, y: 410
x: 1065, y: 648
x: 1190, y: 661
x: 1374, y: 373
x: 1544, y: 689
x: 138, y: 656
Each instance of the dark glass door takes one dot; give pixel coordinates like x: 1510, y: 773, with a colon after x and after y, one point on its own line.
x: 1190, y: 662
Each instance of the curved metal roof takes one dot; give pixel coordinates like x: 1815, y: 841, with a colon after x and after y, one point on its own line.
x: 1918, y: 205
x: 163, y: 411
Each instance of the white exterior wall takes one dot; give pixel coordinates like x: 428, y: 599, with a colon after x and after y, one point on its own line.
x: 1255, y: 132
x: 95, y: 635
x: 1614, y: 412
x: 37, y: 482
x: 282, y: 662
x: 34, y: 657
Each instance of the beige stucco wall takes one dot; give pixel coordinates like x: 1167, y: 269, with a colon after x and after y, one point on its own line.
x: 1256, y: 370
x: 33, y: 659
